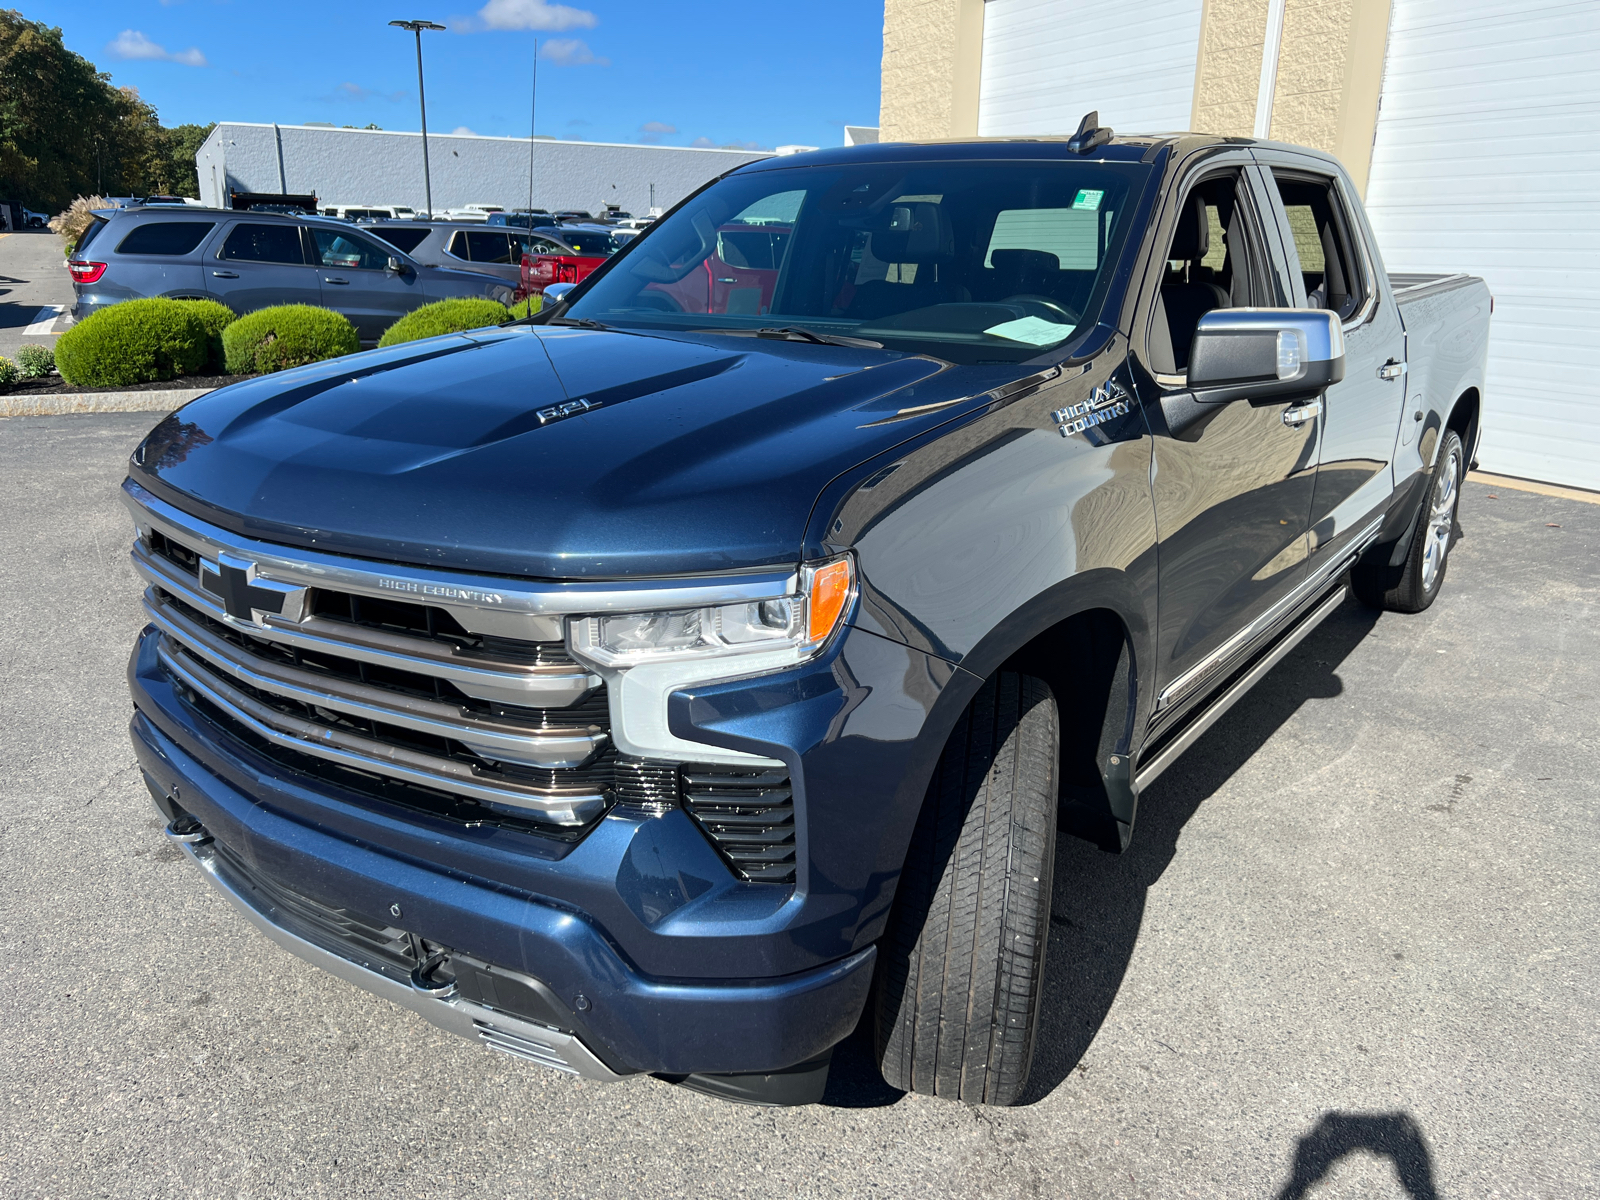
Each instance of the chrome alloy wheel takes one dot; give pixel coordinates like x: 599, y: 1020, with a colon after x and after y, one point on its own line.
x: 1441, y: 520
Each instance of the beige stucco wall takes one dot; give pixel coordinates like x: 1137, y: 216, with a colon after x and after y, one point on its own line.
x: 932, y: 59
x: 1330, y: 71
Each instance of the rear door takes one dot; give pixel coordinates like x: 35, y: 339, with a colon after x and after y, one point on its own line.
x: 259, y: 264
x: 1233, y: 495
x: 357, y: 282
x: 1332, y: 268
x: 493, y: 252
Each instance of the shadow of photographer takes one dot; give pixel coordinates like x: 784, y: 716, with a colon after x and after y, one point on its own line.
x: 1395, y: 1136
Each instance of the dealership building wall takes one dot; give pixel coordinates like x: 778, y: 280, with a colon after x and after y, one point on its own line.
x: 1471, y: 127
x: 370, y: 166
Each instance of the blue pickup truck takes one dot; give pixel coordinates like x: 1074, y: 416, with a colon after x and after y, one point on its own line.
x: 672, y: 681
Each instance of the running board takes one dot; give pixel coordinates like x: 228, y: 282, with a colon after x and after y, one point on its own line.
x: 1208, y: 716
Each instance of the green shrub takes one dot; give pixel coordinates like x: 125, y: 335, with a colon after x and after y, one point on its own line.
x: 527, y: 307
x: 36, y: 362
x: 289, y: 335
x: 215, y: 317
x: 8, y: 372
x: 137, y: 341
x: 444, y: 316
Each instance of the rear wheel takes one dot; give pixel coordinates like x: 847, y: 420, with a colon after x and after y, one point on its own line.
x: 963, y: 959
x: 1422, y: 577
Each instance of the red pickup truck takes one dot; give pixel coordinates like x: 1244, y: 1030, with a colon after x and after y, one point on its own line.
x: 563, y: 254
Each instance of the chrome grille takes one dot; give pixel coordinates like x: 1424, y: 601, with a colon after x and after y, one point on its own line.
x: 387, y: 687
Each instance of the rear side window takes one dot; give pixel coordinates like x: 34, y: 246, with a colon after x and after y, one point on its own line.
x: 89, y: 234
x: 488, y: 247
x: 264, y: 243
x: 458, y: 246
x: 1321, y: 231
x: 166, y: 237
x: 405, y: 240
x: 1070, y: 235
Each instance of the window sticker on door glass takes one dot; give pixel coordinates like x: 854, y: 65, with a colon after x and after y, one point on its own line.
x: 1088, y: 198
x: 1032, y: 331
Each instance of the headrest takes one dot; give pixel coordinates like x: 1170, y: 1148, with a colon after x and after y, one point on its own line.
x: 1192, y: 239
x: 1019, y: 263
x: 917, y: 233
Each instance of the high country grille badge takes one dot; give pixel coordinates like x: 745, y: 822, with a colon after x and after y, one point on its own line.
x: 1105, y: 403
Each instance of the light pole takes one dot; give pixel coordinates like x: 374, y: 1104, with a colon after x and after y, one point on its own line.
x: 417, y: 27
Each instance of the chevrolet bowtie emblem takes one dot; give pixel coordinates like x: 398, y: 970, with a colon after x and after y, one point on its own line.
x: 1105, y: 403
x: 244, y: 597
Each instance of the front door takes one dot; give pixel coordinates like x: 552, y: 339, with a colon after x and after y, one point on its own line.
x: 1233, y: 494
x: 357, y: 282
x: 1361, y: 414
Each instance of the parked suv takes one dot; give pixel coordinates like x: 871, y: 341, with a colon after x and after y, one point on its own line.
x: 255, y: 260
x: 459, y: 245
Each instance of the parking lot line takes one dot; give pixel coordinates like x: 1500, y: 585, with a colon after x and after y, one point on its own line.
x: 44, y: 321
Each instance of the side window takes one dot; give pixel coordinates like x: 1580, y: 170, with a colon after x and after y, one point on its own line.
x: 1213, y: 261
x: 166, y: 237
x: 1321, y: 232
x: 337, y: 249
x: 458, y: 246
x: 1069, y: 235
x: 263, y: 243
x: 405, y: 239
x: 488, y: 246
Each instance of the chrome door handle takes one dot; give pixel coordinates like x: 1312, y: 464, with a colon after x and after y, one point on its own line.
x: 329, y: 279
x: 1300, y: 414
x: 1391, y: 370
x: 226, y: 274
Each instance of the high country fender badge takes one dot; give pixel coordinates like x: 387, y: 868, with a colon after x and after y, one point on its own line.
x: 570, y: 409
x: 1105, y: 403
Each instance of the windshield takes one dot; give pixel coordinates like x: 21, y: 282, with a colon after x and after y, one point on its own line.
x: 976, y: 262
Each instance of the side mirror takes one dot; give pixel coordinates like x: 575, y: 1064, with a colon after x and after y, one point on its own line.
x: 1267, y: 355
x: 556, y: 292
x: 396, y: 267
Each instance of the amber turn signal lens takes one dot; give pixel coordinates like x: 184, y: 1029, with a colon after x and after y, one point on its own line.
x: 830, y: 590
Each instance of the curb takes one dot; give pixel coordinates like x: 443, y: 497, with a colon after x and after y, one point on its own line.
x: 1533, y: 485
x: 162, y: 400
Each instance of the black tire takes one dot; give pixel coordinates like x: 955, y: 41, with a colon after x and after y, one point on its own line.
x: 962, y: 964
x: 1414, y: 586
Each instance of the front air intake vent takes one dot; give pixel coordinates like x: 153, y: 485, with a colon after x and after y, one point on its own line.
x: 646, y: 782
x: 747, y: 814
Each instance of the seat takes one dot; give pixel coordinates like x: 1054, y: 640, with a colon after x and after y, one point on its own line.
x: 1185, y: 299
x: 918, y: 235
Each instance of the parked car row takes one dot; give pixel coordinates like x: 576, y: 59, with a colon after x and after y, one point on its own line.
x: 251, y: 260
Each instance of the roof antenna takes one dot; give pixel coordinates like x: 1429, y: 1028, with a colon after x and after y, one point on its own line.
x: 1090, y: 134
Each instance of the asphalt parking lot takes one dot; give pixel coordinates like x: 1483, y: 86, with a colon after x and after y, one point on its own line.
x: 1351, y: 953
x: 33, y: 277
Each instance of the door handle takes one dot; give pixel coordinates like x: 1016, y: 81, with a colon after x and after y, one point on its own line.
x: 1392, y: 369
x: 331, y: 279
x: 1300, y: 414
x: 226, y: 274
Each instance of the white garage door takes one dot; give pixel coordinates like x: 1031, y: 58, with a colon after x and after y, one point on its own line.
x: 1487, y: 159
x: 1047, y: 62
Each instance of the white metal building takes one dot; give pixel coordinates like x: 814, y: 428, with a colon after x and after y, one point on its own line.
x: 1472, y: 126
x: 362, y: 166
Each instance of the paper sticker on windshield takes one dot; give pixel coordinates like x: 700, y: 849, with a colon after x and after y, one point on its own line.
x: 1033, y: 331
x: 1088, y: 198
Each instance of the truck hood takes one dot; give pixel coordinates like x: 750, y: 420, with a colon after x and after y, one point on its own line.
x: 674, y: 454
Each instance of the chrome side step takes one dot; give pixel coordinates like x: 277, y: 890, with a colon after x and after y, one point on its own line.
x: 1208, y: 716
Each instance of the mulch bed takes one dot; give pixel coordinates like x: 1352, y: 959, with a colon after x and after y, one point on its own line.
x: 55, y: 385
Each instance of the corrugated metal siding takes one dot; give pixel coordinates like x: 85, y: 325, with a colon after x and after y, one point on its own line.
x: 1047, y: 62
x: 1487, y: 159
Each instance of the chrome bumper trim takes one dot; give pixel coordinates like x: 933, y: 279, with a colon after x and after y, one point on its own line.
x: 548, y: 1047
x: 497, y: 740
x: 352, y: 750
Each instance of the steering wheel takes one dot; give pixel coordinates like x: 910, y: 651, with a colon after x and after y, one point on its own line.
x: 1067, y: 318
x: 657, y: 302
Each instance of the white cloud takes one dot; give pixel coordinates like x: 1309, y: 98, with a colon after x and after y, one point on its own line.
x: 532, y: 14
x: 571, y: 52
x: 131, y: 45
x: 657, y: 127
x: 703, y: 143
x: 463, y: 131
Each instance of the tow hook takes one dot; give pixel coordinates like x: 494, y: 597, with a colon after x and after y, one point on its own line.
x: 423, y: 982
x: 187, y: 830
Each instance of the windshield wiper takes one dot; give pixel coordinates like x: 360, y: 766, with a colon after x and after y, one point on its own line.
x: 585, y: 322
x: 794, y: 333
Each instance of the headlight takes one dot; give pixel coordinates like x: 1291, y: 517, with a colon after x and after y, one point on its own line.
x: 801, y: 622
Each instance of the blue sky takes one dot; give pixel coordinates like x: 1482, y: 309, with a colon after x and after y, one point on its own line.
x: 668, y: 71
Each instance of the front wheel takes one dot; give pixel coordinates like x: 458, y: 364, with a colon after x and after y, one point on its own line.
x: 962, y: 963
x: 1422, y: 577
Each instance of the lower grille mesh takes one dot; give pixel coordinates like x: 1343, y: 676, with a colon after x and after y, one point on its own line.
x: 748, y: 815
